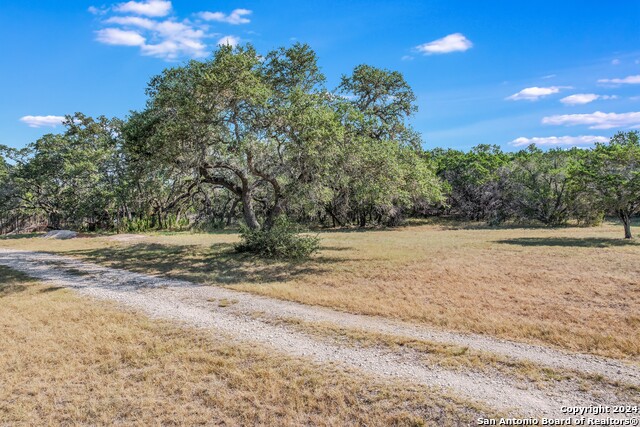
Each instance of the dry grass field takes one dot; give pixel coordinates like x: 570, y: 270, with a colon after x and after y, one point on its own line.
x: 66, y: 360
x: 574, y: 288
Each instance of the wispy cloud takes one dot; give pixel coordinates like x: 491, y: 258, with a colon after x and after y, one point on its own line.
x: 553, y: 141
x: 535, y: 93
x: 407, y: 58
x: 597, y: 120
x: 97, y: 10
x: 153, y: 8
x: 632, y: 80
x: 236, y: 17
x: 42, y: 121
x: 456, y: 42
x: 584, y: 98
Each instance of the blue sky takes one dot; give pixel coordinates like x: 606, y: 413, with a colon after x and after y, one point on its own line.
x: 559, y: 73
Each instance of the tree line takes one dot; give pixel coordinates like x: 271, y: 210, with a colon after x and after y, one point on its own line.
x: 251, y: 138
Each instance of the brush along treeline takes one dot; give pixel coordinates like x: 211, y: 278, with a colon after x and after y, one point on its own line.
x: 245, y: 137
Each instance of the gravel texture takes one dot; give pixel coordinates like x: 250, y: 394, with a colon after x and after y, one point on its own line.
x: 199, y: 306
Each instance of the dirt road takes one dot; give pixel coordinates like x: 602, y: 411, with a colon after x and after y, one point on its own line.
x: 200, y: 306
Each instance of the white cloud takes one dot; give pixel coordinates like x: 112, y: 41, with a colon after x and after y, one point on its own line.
x: 174, y: 46
x: 584, y: 98
x: 451, y: 43
x: 597, y: 120
x: 167, y: 38
x: 178, y: 38
x: 132, y: 21
x: 627, y: 80
x: 579, y: 98
x: 535, y: 93
x: 236, y: 17
x: 230, y: 40
x: 153, y: 8
x: 558, y: 140
x: 42, y: 121
x: 120, y: 37
x: 615, y: 62
x: 407, y: 58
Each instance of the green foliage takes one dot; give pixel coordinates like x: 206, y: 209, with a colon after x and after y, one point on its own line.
x: 74, y: 177
x: 134, y: 225
x: 9, y: 201
x: 611, y: 172
x: 4, y: 166
x: 539, y: 185
x: 282, y: 241
x: 530, y: 185
x: 379, y: 172
x: 587, y: 216
x: 259, y: 127
x: 175, y: 222
x: 475, y: 181
x: 209, y: 225
x: 384, y: 101
x: 247, y: 137
x: 149, y: 223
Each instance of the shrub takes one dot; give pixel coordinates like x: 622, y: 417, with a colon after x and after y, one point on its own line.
x: 280, y: 241
x: 172, y: 222
x: 208, y: 225
x: 134, y: 225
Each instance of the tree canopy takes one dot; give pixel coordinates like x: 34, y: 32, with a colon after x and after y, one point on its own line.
x: 612, y: 172
x: 266, y: 130
x: 250, y: 138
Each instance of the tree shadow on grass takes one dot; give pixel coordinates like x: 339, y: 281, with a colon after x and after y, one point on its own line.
x: 459, y: 223
x: 587, y: 242
x: 12, y: 282
x: 336, y: 248
x: 20, y: 236
x: 50, y: 289
x: 356, y: 230
x: 217, y: 264
x: 7, y: 289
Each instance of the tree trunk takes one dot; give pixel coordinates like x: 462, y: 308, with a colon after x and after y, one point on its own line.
x: 273, y: 214
x: 334, y: 218
x: 231, y: 212
x: 363, y: 220
x: 626, y: 221
x: 54, y: 220
x: 248, y: 212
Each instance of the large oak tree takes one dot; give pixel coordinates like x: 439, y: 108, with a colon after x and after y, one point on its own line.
x: 259, y: 127
x: 612, y: 171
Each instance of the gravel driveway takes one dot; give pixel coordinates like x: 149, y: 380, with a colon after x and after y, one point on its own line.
x: 196, y: 305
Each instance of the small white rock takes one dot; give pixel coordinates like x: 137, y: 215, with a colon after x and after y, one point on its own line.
x: 61, y: 234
